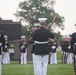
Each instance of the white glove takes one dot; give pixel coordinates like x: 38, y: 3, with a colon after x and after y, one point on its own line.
x: 0, y: 44
x: 53, y: 47
x: 69, y: 47
x: 5, y: 46
x: 22, y: 47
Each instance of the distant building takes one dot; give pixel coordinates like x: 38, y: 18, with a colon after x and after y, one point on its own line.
x: 11, y: 29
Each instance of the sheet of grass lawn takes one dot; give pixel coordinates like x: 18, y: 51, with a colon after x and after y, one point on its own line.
x: 16, y: 69
x: 58, y: 55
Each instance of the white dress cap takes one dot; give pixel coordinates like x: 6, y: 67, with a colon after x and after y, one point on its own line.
x: 22, y: 37
x: 66, y: 36
x: 36, y: 24
x: 5, y: 36
x: 42, y: 19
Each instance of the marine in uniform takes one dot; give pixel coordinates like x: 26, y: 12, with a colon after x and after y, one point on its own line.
x: 64, y: 44
x: 66, y: 49
x: 73, y: 46
x: 36, y: 26
x: 53, y: 55
x: 42, y: 49
x: 6, y: 56
x: 23, y: 50
x: 2, y: 48
x: 69, y: 51
x: 62, y: 52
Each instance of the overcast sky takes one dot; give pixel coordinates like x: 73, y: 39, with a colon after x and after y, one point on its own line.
x: 66, y: 8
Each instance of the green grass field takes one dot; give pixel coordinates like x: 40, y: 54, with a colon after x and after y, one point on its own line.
x: 58, y: 55
x: 17, y: 69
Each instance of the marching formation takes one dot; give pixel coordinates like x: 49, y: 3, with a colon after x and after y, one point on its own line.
x: 66, y: 50
x: 43, y: 49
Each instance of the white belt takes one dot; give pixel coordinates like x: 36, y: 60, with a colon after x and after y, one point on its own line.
x: 41, y: 42
x: 0, y: 44
x: 74, y: 43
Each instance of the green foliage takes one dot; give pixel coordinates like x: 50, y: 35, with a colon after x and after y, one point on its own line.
x: 58, y: 38
x: 25, y: 31
x: 31, y: 10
